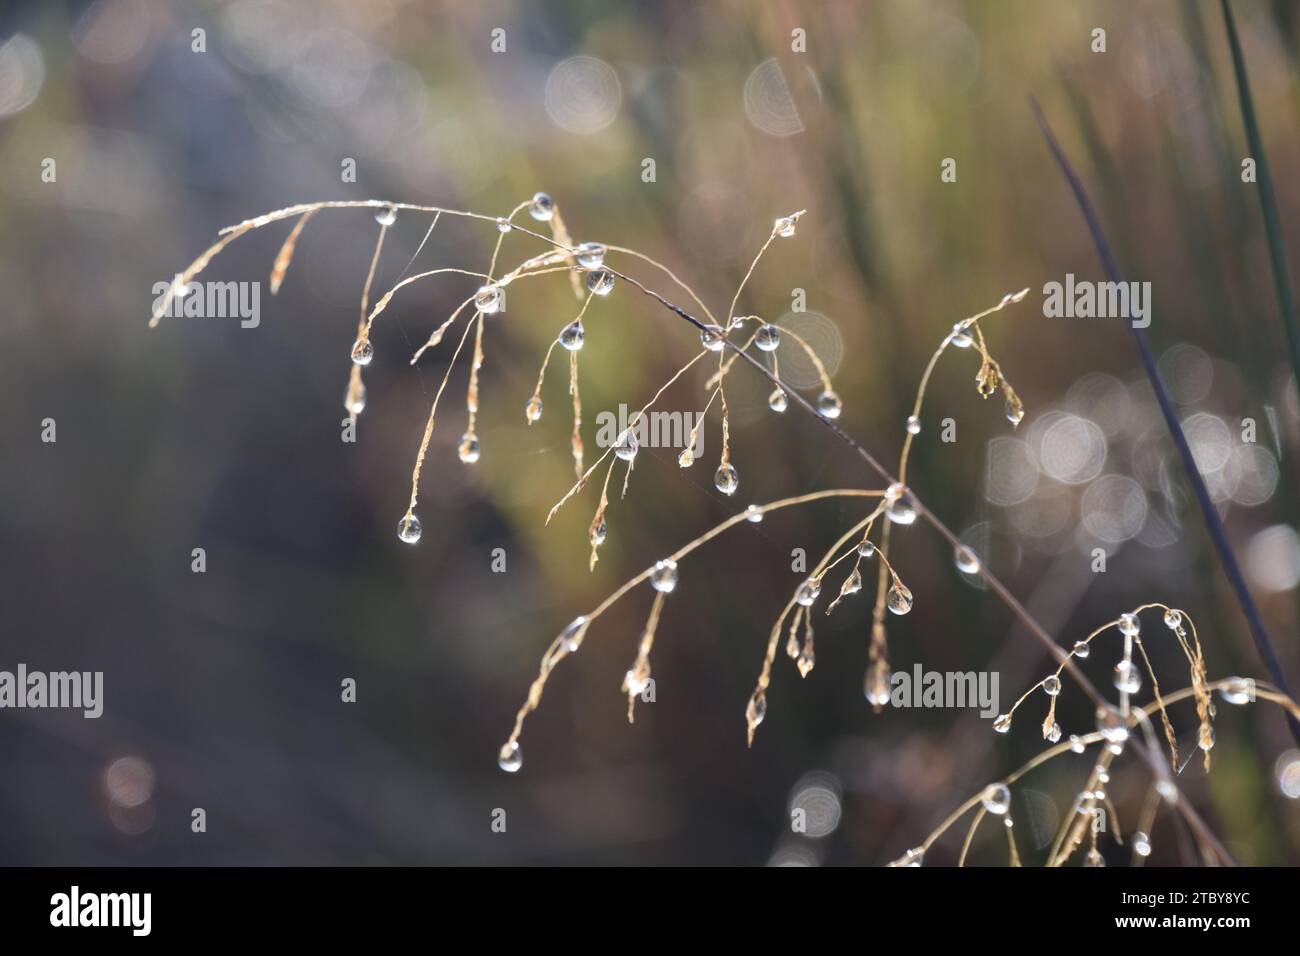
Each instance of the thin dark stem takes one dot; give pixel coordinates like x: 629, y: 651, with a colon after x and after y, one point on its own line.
x: 1213, y: 524
x: 1267, y: 198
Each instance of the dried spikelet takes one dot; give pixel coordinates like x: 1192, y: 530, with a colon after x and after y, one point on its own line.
x: 988, y: 377
x: 637, y: 679
x: 1168, y: 727
x: 755, y: 712
x: 195, y: 267
x: 792, y: 641
x: 561, y: 234
x: 627, y: 477
x: 285, y: 255
x: 806, y: 659
x: 598, y: 529
x: 576, y: 441
x: 1204, y: 710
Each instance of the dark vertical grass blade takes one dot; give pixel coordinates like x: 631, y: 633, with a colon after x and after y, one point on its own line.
x: 1213, y: 524
x: 1267, y: 198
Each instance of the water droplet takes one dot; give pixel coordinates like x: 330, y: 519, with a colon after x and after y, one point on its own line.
x: 1238, y: 690
x: 901, y: 511
x: 362, y: 352
x: 808, y: 591
x: 511, y: 758
x: 591, y: 255
x: 1128, y: 679
x: 960, y: 337
x: 753, y: 514
x: 571, y: 637
x: 489, y: 299
x: 1002, y: 723
x: 867, y: 548
x: 913, y: 857
x: 805, y: 662
x: 533, y: 410
x: 355, y: 400
x: 1094, y: 858
x: 1052, y: 685
x: 966, y: 560
x: 829, y: 404
x: 726, y: 480
x: 599, y: 532
x: 542, y: 207
x: 1082, y: 649
x: 895, y: 491
x: 664, y: 576
x: 1112, y: 726
x: 899, y: 598
x: 784, y: 227
x: 409, y: 528
x: 468, y: 450
x: 1173, y: 619
x: 573, y: 335
x: 386, y: 215
x: 777, y: 401
x: 768, y: 338
x: 503, y: 225
x: 1128, y: 624
x: 756, y: 709
x: 1167, y: 789
x: 711, y: 338
x: 1015, y: 412
x: 996, y: 798
x: 1076, y: 744
x: 1205, y: 738
x: 686, y: 458
x: 1141, y: 844
x: 852, y: 584
x: 913, y: 425
x: 627, y: 445
x: 601, y: 282
x: 1053, y: 732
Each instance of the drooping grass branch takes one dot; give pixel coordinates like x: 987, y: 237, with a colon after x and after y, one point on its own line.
x: 897, y: 502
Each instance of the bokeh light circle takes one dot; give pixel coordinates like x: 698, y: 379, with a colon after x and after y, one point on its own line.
x: 1114, y: 508
x: 583, y: 94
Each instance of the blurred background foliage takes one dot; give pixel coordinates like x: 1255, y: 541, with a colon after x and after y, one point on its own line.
x: 223, y: 688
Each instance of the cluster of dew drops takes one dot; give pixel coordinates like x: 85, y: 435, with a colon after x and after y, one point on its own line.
x: 489, y: 300
x: 590, y: 257
x: 996, y: 798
